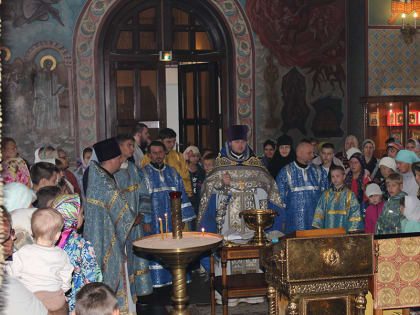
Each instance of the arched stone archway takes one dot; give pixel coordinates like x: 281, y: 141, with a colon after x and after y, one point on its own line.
x: 85, y: 54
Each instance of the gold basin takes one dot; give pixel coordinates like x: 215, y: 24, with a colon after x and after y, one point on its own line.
x: 258, y: 220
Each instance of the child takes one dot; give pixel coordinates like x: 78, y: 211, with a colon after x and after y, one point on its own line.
x: 43, y: 174
x: 389, y: 220
x: 197, y: 175
x: 96, y: 299
x: 376, y: 204
x: 410, y: 209
x: 46, y: 195
x: 338, y: 206
x: 43, y: 268
x: 208, y: 162
x: 81, y: 253
x: 387, y: 166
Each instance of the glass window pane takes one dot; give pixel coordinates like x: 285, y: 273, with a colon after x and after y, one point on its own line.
x: 210, y: 137
x: 147, y: 40
x: 125, y: 95
x: 190, y: 139
x: 202, y: 41
x: 204, y: 97
x: 125, y: 40
x: 148, y: 95
x: 189, y: 88
x: 179, y: 17
x: 147, y: 16
x: 180, y: 41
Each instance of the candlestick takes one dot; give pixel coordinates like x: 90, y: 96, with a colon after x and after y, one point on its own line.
x: 403, y: 19
x: 161, y: 227
x: 202, y: 232
x: 415, y: 19
x: 166, y: 224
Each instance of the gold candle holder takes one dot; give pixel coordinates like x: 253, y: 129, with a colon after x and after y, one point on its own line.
x: 176, y: 200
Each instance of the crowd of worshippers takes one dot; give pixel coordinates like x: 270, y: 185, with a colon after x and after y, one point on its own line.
x: 70, y: 229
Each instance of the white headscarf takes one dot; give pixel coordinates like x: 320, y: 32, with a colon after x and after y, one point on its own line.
x: 17, y: 196
x: 51, y: 160
x: 412, y: 208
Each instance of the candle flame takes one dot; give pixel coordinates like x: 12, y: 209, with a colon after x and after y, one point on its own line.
x: 403, y: 16
x: 160, y: 219
x: 415, y: 14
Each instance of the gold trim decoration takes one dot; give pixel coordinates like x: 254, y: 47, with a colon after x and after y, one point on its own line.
x: 96, y: 202
x: 48, y: 57
x: 331, y: 257
x: 8, y: 53
x: 142, y: 272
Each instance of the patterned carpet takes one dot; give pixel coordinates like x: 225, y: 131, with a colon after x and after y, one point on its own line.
x: 241, y: 309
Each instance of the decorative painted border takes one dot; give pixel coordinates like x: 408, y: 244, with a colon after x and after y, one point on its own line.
x: 85, y: 53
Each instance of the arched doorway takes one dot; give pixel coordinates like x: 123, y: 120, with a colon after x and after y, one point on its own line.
x: 89, y: 71
x: 138, y: 86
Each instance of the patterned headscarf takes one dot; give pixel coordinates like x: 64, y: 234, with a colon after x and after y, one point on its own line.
x: 69, y: 208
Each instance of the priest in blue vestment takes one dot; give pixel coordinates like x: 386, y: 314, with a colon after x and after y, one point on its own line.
x: 160, y: 180
x: 111, y: 225
x: 301, y: 184
x: 239, y: 181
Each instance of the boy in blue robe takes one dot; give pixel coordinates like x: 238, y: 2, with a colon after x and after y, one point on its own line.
x: 161, y: 179
x: 338, y: 206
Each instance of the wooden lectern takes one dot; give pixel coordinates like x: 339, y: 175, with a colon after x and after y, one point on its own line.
x: 320, y: 271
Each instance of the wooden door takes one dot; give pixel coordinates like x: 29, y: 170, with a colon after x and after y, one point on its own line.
x: 199, y: 111
x: 139, y: 95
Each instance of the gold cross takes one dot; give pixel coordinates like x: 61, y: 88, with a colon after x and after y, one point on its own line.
x: 241, y: 185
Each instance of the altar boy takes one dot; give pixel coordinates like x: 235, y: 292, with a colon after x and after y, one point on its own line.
x: 338, y: 206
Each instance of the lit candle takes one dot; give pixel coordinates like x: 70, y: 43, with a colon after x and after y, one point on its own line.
x: 202, y: 232
x: 415, y: 19
x: 166, y: 223
x: 403, y: 19
x: 161, y: 227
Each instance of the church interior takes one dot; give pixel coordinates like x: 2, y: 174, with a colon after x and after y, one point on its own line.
x: 76, y: 72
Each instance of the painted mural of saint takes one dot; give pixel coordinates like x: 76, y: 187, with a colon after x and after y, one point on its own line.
x: 47, y: 89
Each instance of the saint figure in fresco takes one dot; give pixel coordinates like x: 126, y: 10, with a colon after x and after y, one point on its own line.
x: 47, y: 89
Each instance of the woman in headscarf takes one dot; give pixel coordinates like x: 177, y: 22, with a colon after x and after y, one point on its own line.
x: 410, y: 209
x: 14, y: 167
x: 413, y: 145
x: 284, y: 155
x: 351, y: 142
x: 368, y: 149
x: 18, y: 200
x: 81, y: 253
x: 357, y: 178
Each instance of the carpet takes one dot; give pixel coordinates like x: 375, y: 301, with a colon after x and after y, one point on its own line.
x: 240, y: 309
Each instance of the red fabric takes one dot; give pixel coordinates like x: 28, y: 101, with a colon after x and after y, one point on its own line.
x: 372, y: 214
x: 354, y: 189
x: 72, y: 179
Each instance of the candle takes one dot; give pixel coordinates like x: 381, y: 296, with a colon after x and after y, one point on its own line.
x: 161, y: 227
x: 166, y: 223
x: 415, y: 19
x: 403, y: 19
x: 202, y: 232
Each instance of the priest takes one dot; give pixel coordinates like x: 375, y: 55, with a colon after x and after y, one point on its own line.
x: 111, y: 225
x: 239, y: 181
x: 160, y: 180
